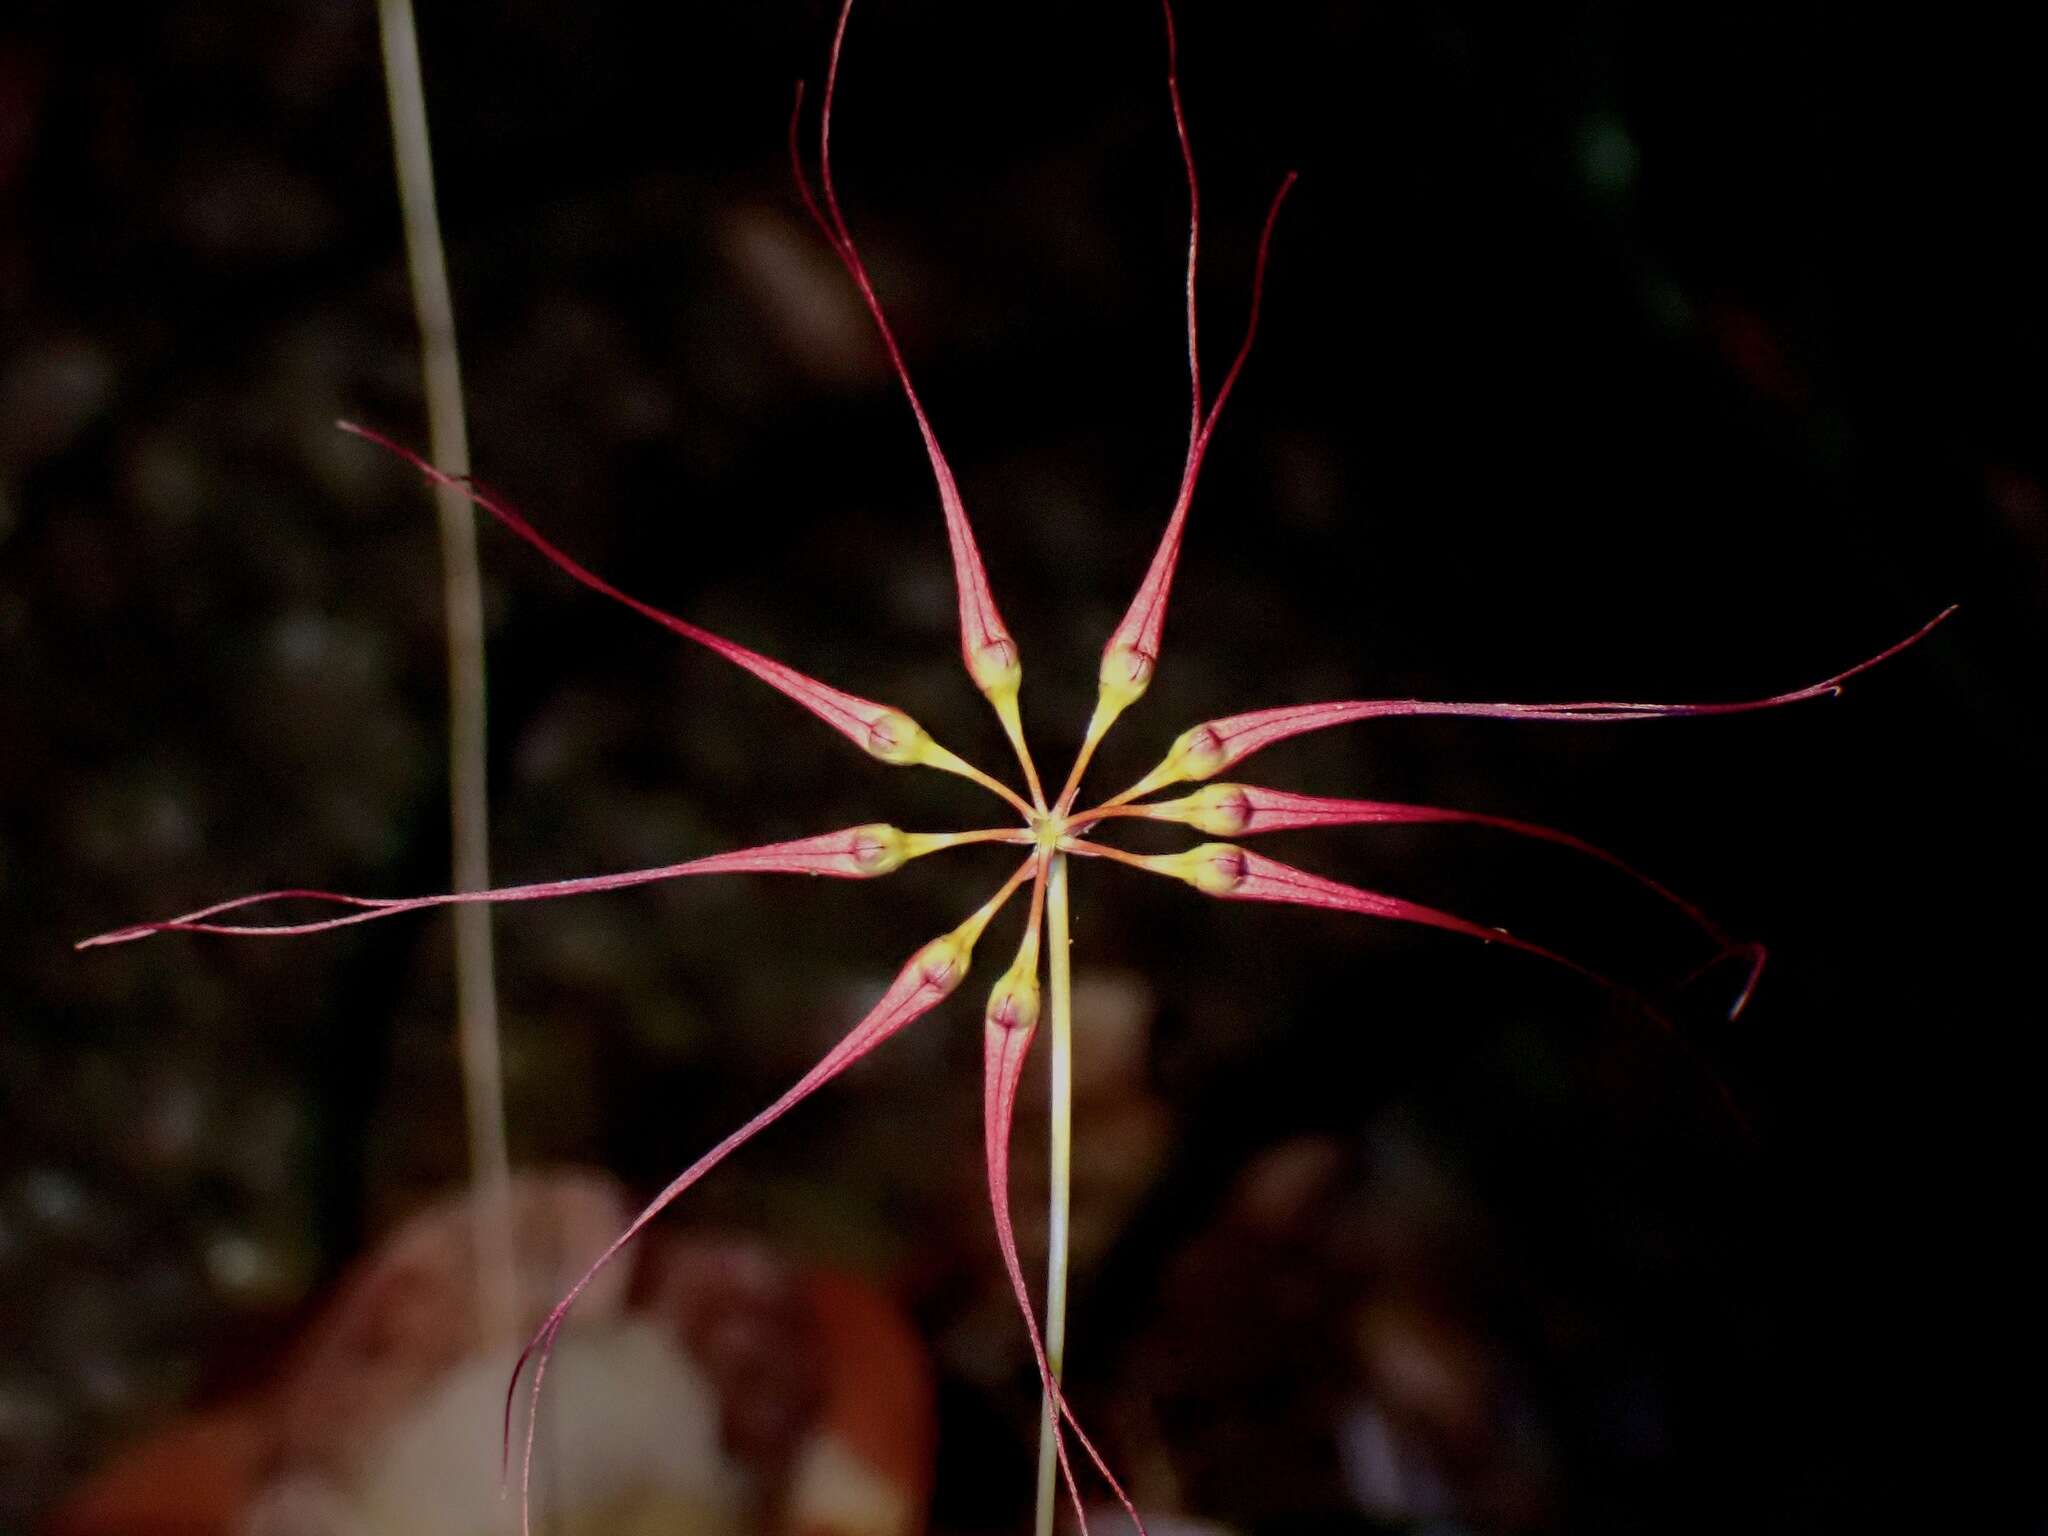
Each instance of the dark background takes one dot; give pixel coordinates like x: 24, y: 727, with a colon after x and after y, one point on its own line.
x: 1632, y: 352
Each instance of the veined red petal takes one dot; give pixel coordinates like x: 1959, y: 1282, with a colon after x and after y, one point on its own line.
x: 985, y: 642
x: 856, y: 853
x: 853, y: 717
x: 1208, y: 749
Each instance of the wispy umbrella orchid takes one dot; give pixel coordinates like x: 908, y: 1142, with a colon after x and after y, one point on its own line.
x: 1050, y: 831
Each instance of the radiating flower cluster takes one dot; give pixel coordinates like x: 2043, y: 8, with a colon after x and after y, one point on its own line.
x: 1048, y: 829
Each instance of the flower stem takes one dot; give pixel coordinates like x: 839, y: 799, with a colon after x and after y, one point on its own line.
x: 1062, y: 1139
x: 475, y: 984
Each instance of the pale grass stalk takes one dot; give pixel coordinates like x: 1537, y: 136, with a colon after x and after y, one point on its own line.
x: 475, y: 983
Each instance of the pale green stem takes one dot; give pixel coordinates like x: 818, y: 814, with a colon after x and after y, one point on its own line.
x: 448, y: 440
x: 1062, y: 979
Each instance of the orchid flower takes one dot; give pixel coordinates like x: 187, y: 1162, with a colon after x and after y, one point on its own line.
x: 1050, y: 831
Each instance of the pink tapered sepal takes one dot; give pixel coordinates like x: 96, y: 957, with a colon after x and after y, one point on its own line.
x: 1236, y: 874
x: 1231, y: 873
x: 986, y: 645
x: 927, y: 979
x: 875, y: 728
x: 856, y: 853
x: 1208, y: 749
x: 1258, y: 878
x: 1132, y: 654
x: 1246, y: 810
